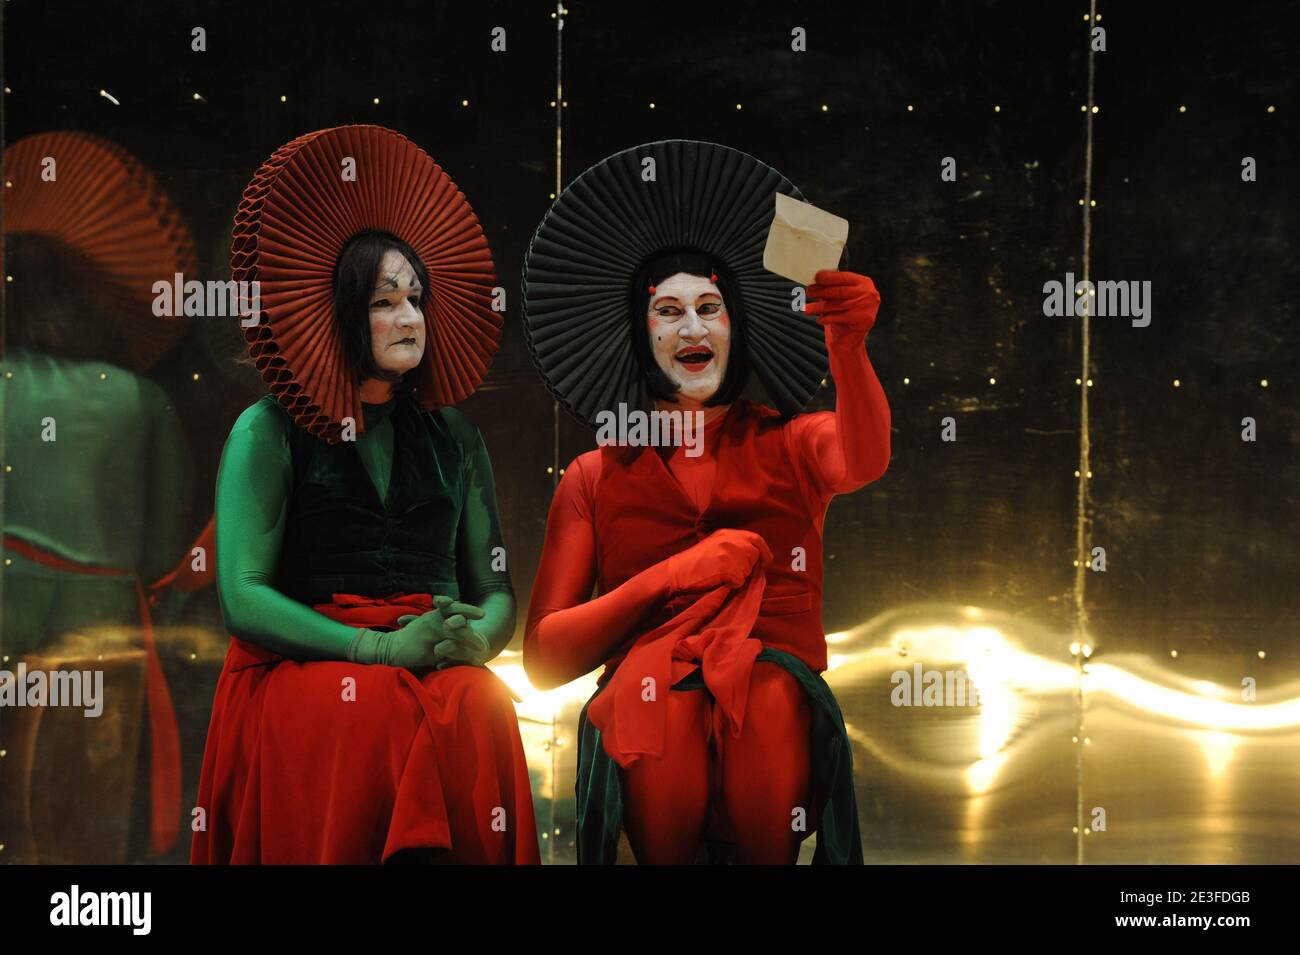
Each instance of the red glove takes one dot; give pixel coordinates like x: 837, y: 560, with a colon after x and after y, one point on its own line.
x: 724, y: 558
x: 846, y: 304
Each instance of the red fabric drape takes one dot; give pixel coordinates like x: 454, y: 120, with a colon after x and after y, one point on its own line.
x: 337, y: 762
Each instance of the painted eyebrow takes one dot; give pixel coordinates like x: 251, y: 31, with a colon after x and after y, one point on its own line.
x: 673, y: 298
x: 391, y: 285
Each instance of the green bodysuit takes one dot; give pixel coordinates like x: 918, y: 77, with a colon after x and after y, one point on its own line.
x: 409, y: 506
x: 98, y: 475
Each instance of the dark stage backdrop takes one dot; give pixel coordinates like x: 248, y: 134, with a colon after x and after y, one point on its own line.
x: 1144, y: 712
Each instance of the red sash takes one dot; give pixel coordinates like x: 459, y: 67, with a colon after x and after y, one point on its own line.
x: 356, y: 611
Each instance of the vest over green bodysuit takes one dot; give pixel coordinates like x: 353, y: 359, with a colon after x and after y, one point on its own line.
x: 408, y: 506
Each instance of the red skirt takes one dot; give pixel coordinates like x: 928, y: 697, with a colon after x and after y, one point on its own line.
x: 344, y: 763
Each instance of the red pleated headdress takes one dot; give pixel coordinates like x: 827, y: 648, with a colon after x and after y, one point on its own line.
x: 93, y: 197
x: 296, y: 215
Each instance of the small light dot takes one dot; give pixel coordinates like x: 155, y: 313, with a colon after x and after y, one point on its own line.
x: 1080, y: 202
x: 652, y: 105
x: 1263, y: 382
x: 1177, y: 383
x: 1182, y: 109
x: 564, y: 103
x: 1089, y: 382
x: 550, y: 470
x: 1270, y: 109
x: 997, y: 109
x: 552, y: 195
x: 738, y: 106
x: 1076, y: 563
x: 9, y: 374
x: 993, y: 381
x: 1076, y: 472
x: 284, y: 99
x: 1089, y: 474
x: 1078, y: 381
x: 1083, y: 108
x: 464, y: 102
x: 825, y: 108
x: 1087, y: 741
x: 909, y: 107
x: 194, y: 656
x: 197, y: 96
x: 103, y: 376
x: 561, y: 474
x: 907, y: 381
x: 1261, y: 654
x: 196, y: 376
x: 1092, y: 203
x: 8, y: 90
x: 375, y: 101
x: 9, y: 183
x: 1096, y: 109
x: 1173, y: 653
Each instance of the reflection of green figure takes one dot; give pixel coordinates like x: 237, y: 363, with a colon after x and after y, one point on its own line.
x: 96, y: 468
x: 96, y: 487
x: 109, y: 490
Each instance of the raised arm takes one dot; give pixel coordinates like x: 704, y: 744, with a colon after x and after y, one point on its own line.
x: 848, y: 448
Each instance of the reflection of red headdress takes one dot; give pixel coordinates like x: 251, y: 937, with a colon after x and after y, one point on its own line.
x: 295, y: 217
x: 105, y: 206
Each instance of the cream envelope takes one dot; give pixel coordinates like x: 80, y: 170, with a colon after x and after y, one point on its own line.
x: 803, y: 240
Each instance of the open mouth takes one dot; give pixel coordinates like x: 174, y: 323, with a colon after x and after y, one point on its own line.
x: 694, y: 357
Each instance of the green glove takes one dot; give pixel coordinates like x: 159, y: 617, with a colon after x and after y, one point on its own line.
x: 414, y: 646
x: 459, y: 642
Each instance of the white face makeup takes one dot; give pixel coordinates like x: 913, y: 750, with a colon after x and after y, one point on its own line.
x: 690, y: 335
x: 396, y: 322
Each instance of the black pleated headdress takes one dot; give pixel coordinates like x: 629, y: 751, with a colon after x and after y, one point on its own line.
x: 610, y: 222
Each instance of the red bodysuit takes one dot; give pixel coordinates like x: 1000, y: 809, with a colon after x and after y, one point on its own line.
x: 618, y: 516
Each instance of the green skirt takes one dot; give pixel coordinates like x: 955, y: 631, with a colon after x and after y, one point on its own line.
x: 839, y: 841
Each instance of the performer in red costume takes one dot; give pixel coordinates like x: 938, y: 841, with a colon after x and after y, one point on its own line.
x: 708, y: 565
x: 359, y: 554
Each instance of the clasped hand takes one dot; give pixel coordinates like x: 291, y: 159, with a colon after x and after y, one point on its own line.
x: 442, y: 637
